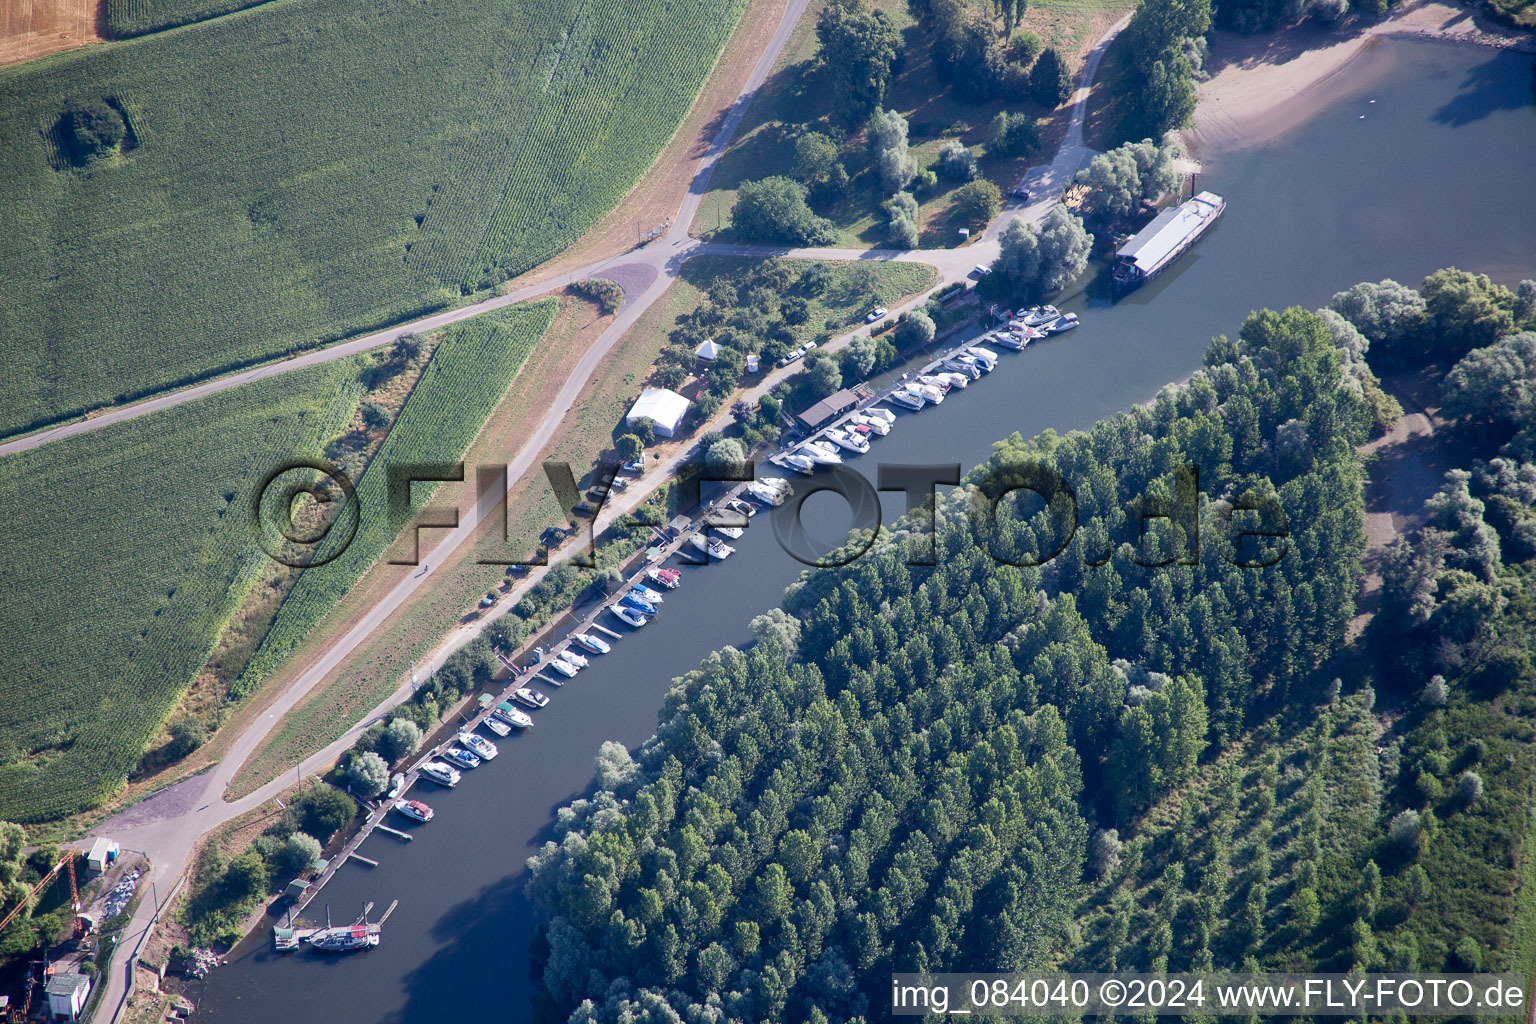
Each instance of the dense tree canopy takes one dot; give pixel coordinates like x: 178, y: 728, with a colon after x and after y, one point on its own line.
x: 859, y: 47
x: 774, y: 210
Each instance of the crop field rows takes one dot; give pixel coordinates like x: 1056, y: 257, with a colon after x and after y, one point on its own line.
x: 470, y: 370
x: 305, y: 170
x: 138, y: 549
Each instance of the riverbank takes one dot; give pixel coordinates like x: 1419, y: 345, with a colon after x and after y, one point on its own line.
x: 1262, y: 86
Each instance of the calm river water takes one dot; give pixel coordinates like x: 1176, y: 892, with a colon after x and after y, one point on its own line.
x: 1438, y: 172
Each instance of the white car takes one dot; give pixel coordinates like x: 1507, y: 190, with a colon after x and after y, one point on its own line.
x: 794, y: 353
x: 981, y: 270
x: 875, y: 314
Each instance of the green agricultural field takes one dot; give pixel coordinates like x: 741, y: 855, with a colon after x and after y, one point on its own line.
x: 131, y: 548
x: 127, y: 18
x: 308, y: 169
x: 471, y: 369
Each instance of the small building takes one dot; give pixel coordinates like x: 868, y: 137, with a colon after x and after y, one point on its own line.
x: 708, y: 351
x: 67, y: 993
x: 1155, y: 247
x: 817, y: 415
x: 663, y: 408
x: 295, y: 890
x: 103, y: 852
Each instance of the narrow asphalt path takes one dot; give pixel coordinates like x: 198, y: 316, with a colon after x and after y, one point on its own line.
x: 162, y: 826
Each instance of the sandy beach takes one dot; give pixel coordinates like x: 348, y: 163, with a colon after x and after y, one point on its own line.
x: 1263, y: 85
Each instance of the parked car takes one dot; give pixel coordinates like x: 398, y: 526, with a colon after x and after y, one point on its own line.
x: 981, y: 270
x: 875, y: 314
x: 585, y: 508
x: 1020, y: 193
x: 488, y: 600
x: 637, y: 466
x: 794, y: 353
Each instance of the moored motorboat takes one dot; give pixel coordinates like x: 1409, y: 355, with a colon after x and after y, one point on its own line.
x: 628, y: 616
x: 512, y: 716
x: 653, y: 596
x: 669, y: 578
x: 821, y: 453
x: 527, y: 695
x: 878, y: 413
x: 571, y: 658
x: 595, y: 644
x: 462, y: 757
x: 1037, y: 316
x: 744, y: 508
x: 415, y: 810
x: 565, y: 668
x: 930, y: 393
x: 770, y: 490
x: 713, y: 547
x: 733, y: 532
x: 907, y: 398
x: 848, y: 441
x: 968, y: 369
x: 877, y: 425
x: 985, y: 357
x: 800, y: 463
x: 1062, y: 324
x: 638, y: 603
x: 933, y: 380
x: 482, y: 747
x: 440, y: 773
x: 956, y: 380
x: 497, y: 726
x: 1015, y: 341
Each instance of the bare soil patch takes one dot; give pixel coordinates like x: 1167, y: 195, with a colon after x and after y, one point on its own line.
x: 34, y: 28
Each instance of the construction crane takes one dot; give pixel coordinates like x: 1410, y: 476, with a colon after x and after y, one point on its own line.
x: 74, y: 892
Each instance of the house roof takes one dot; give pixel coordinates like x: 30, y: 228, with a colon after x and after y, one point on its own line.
x: 67, y: 984
x: 1153, y: 244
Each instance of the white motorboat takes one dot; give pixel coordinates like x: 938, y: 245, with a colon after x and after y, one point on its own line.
x: 933, y: 380
x: 529, y: 696
x: 669, y: 578
x: 595, y: 644
x: 954, y: 365
x: 741, y: 507
x: 461, y: 757
x: 629, y: 616
x: 414, y: 809
x: 497, y: 726
x: 512, y: 716
x: 770, y: 491
x: 713, y: 547
x: 821, y: 453
x: 653, y: 596
x: 985, y: 357
x: 848, y: 441
x: 1062, y: 324
x: 877, y: 426
x: 442, y: 774
x: 956, y: 380
x: 800, y: 463
x: 1038, y: 316
x: 571, y: 658
x: 908, y: 398
x: 565, y: 668
x: 880, y: 414
x: 483, y: 748
x: 1013, y: 341
x: 930, y: 393
x: 733, y: 532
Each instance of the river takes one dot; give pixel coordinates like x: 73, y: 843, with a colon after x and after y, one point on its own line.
x: 1438, y: 172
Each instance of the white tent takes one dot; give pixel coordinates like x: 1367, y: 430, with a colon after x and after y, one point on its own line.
x: 708, y: 350
x: 664, y: 408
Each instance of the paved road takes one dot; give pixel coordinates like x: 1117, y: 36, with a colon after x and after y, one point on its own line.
x: 167, y: 826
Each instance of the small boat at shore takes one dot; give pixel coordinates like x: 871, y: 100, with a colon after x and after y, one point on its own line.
x: 933, y: 380
x: 1037, y: 316
x: 565, y: 668
x: 969, y: 370
x: 878, y: 413
x: 638, y: 603
x: 461, y: 757
x: 415, y: 810
x: 1017, y: 342
x: 821, y: 453
x: 629, y: 616
x: 713, y: 547
x: 800, y: 463
x: 346, y: 938
x: 483, y: 748
x: 733, y: 532
x: 848, y: 441
x: 770, y: 490
x: 572, y: 659
x: 930, y: 394
x: 908, y: 399
x: 653, y: 596
x: 745, y: 508
x: 512, y: 716
x: 497, y: 726
x: 595, y: 644
x: 1062, y: 324
x: 440, y: 773
x: 528, y: 696
x: 877, y: 425
x: 671, y: 579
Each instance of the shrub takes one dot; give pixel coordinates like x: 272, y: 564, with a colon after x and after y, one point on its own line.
x: 368, y: 775
x: 957, y: 162
x: 1468, y: 788
x: 1048, y: 79
x: 89, y: 130
x: 321, y: 810
x: 298, y: 853
x: 1405, y: 831
x: 978, y: 202
x: 609, y: 295
x: 187, y: 734
x: 401, y: 738
x: 629, y: 448
x: 774, y: 210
